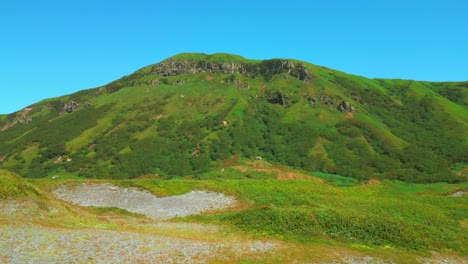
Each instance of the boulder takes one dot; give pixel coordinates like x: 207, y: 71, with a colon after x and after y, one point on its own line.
x: 345, y: 107
x: 70, y: 107
x: 312, y: 100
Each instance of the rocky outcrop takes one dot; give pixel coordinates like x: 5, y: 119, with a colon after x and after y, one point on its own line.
x: 174, y: 67
x: 345, y: 107
x: 26, y: 111
x: 24, y: 120
x: 21, y: 118
x: 70, y: 107
x: 7, y: 126
x: 266, y: 68
x: 277, y: 98
x: 312, y: 100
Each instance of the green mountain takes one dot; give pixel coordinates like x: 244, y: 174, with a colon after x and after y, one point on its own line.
x: 194, y: 113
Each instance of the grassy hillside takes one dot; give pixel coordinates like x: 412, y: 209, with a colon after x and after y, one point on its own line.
x: 188, y: 115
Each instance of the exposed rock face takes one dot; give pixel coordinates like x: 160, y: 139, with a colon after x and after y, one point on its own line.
x: 266, y: 68
x: 312, y: 100
x: 345, y: 107
x: 26, y: 112
x: 277, y: 98
x: 70, y: 107
x: 6, y: 126
x: 174, y: 67
x: 21, y: 118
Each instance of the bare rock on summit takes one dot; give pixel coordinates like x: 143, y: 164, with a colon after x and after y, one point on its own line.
x: 267, y: 68
x: 174, y: 67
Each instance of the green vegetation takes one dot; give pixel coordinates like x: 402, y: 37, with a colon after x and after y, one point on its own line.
x: 381, y: 219
x: 336, y: 180
x: 186, y: 120
x: 218, y: 57
x: 11, y: 185
x: 118, y: 211
x: 398, y: 215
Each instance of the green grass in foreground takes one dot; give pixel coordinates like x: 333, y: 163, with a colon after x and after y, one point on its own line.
x: 12, y: 185
x: 390, y: 214
x: 411, y: 217
x: 119, y: 211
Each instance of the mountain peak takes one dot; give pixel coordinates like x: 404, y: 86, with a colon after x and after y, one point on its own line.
x: 216, y: 57
x: 222, y: 63
x: 188, y: 113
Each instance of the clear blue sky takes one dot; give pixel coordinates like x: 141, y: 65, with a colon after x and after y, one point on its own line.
x: 50, y: 48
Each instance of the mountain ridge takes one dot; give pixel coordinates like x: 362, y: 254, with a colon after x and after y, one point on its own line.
x: 213, y: 107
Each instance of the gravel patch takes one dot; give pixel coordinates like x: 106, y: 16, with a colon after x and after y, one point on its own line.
x: 34, y: 244
x: 144, y: 202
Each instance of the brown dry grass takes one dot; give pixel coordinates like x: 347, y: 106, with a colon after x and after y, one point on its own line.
x: 373, y: 182
x: 278, y: 171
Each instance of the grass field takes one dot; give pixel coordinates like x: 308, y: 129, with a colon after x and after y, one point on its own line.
x: 388, y: 215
